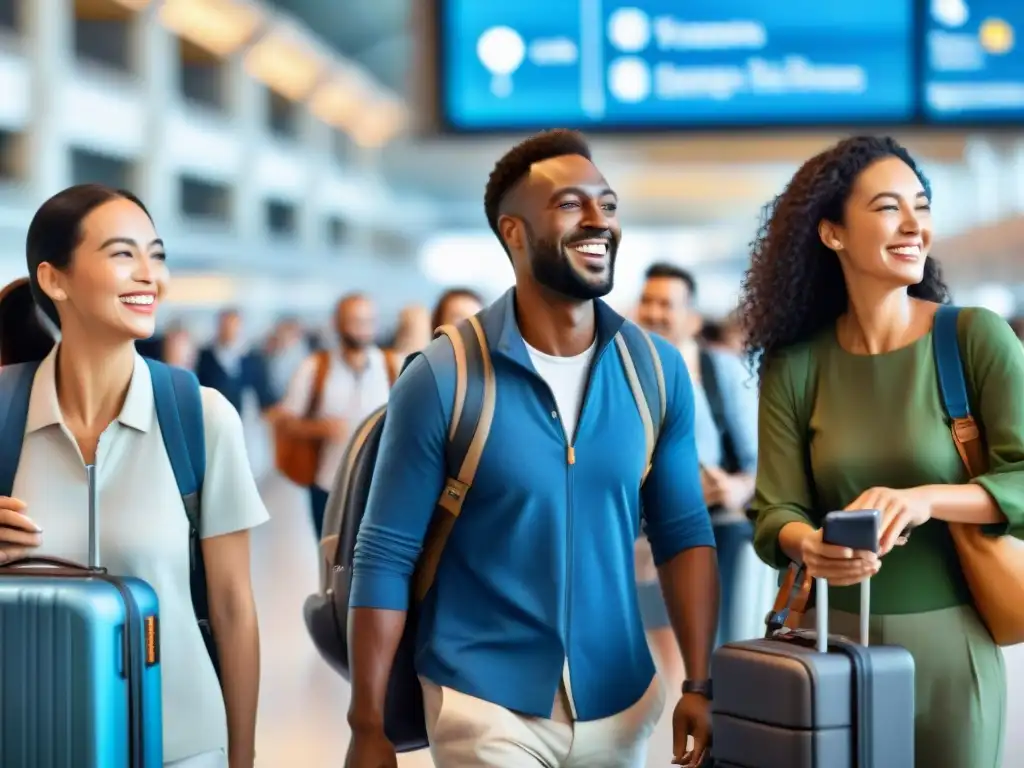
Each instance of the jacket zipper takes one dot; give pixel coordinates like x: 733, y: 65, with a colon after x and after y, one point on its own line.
x: 570, y: 460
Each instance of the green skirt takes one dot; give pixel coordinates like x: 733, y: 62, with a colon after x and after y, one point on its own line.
x: 960, y: 682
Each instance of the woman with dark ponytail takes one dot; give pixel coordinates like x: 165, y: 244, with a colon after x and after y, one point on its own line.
x: 97, y: 270
x: 24, y: 334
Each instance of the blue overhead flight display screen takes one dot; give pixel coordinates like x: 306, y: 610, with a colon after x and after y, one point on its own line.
x: 974, y: 61
x: 655, y: 64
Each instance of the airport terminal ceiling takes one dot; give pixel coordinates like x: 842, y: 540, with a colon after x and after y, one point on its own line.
x: 374, y: 33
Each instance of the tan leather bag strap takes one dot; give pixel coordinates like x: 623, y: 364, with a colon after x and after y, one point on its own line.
x: 473, y: 368
x: 393, y: 365
x: 967, y: 438
x: 323, y: 365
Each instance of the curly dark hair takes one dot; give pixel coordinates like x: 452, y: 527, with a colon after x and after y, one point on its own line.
x: 794, y: 286
x: 515, y: 164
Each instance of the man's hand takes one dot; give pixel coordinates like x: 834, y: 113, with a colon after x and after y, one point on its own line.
x: 334, y: 428
x: 722, y: 489
x: 692, y: 718
x: 901, y: 510
x: 713, y: 483
x: 370, y: 749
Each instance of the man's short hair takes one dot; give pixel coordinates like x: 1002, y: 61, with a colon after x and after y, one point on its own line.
x: 671, y: 271
x: 516, y: 163
x: 348, y: 298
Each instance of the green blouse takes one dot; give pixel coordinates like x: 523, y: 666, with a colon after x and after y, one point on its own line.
x: 833, y: 424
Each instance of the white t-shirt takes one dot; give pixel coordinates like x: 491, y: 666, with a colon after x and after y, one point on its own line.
x: 567, y: 378
x: 348, y: 394
x: 143, y: 527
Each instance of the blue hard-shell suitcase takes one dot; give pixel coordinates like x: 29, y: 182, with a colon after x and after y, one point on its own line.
x: 79, y: 665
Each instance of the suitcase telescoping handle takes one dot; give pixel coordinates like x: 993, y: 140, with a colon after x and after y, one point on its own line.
x: 94, y: 529
x: 94, y: 548
x: 821, y: 613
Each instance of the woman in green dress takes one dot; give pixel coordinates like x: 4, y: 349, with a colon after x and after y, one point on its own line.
x: 838, y: 307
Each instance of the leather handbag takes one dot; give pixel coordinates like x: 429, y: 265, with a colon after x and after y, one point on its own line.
x: 298, y: 457
x: 993, y: 565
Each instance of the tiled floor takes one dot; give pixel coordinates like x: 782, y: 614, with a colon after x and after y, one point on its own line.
x: 303, y: 703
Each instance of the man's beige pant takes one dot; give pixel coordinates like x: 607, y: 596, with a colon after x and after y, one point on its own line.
x: 466, y: 731
x: 215, y: 759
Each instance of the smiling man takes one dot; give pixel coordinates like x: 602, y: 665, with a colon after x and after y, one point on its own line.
x: 530, y: 647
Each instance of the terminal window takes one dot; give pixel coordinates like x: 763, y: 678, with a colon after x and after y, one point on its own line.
x: 282, y: 218
x: 204, y: 200
x: 103, y: 34
x: 89, y: 167
x: 202, y: 77
x: 337, y: 231
x: 282, y: 115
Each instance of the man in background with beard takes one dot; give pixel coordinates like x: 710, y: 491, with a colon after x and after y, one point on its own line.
x: 354, y: 382
x: 530, y: 647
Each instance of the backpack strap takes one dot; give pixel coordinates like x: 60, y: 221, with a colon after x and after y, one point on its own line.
x: 953, y: 387
x: 709, y: 380
x: 646, y: 378
x: 179, y: 412
x: 15, y: 394
x: 316, y: 394
x: 468, y: 429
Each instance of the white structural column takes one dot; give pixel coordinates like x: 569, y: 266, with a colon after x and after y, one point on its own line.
x: 248, y: 106
x: 315, y: 140
x: 50, y: 42
x: 156, y: 59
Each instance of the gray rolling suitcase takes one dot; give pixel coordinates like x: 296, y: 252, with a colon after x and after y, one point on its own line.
x: 805, y: 699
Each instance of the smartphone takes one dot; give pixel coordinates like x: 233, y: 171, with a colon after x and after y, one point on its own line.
x: 856, y: 529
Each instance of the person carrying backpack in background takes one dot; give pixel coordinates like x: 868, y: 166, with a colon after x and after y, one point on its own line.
x: 98, y: 270
x: 331, y: 392
x: 530, y: 648
x: 726, y: 446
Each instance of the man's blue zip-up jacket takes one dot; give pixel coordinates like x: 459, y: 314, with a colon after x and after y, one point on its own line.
x: 539, y: 565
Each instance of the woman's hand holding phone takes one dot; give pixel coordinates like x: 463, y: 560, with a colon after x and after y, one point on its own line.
x: 902, y: 510
x: 18, y: 534
x: 840, y: 566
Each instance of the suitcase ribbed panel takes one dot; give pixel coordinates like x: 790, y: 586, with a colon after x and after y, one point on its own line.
x: 63, y: 696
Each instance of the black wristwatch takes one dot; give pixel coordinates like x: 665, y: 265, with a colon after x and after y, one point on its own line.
x: 700, y: 687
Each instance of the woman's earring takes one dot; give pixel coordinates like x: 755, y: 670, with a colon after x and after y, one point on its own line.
x: 59, y: 296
